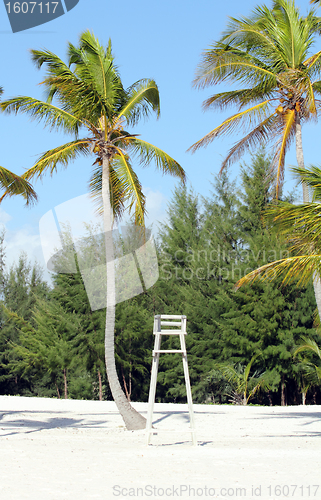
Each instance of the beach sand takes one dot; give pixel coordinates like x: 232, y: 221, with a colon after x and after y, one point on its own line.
x: 79, y: 450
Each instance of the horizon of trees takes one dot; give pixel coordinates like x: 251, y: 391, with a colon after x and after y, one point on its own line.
x: 52, y: 344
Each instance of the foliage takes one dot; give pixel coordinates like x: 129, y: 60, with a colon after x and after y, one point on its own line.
x: 91, y: 99
x: 311, y: 370
x: 244, y: 386
x: 267, y: 55
x: 203, y: 249
x: 300, y: 226
x: 20, y: 287
x: 199, y: 274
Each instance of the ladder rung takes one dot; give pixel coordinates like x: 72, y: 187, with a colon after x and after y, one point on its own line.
x: 171, y: 323
x: 170, y: 332
x: 171, y: 351
x: 171, y: 316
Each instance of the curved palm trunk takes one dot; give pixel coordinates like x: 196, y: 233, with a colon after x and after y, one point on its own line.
x: 133, y: 420
x: 300, y: 160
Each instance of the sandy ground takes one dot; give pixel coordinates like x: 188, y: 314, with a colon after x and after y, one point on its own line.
x: 79, y: 450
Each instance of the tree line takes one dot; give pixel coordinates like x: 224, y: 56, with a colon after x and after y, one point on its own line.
x: 52, y: 343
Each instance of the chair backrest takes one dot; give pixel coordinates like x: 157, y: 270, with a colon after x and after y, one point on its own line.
x: 166, y: 320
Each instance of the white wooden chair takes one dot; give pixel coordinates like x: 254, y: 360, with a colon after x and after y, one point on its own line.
x: 168, y: 321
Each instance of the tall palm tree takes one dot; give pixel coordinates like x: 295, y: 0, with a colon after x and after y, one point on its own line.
x: 267, y: 56
x: 91, y: 98
x: 268, y: 53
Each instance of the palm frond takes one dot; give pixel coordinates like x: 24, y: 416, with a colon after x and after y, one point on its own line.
x: 143, y: 97
x: 256, y: 34
x: 249, y: 366
x: 308, y: 345
x: 15, y: 185
x: 228, y: 63
x: 288, y: 131
x: 267, y: 53
x: 299, y: 223
x: 257, y: 136
x: 317, y: 88
x: 61, y: 155
x: 313, y: 62
x: 257, y: 112
x: 131, y: 188
x: 83, y: 92
x: 94, y: 65
x: 311, y: 177
x: 147, y: 153
x: 94, y: 87
x: 312, y: 373
x: 299, y: 269
x: 309, y: 106
x: 53, y: 117
x: 298, y: 30
x: 59, y: 78
x: 116, y: 189
x: 239, y: 98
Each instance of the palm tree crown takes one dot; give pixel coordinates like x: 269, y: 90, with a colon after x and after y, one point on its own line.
x: 91, y: 98
x: 267, y: 54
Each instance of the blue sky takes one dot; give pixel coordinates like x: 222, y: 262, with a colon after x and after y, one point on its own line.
x: 161, y: 40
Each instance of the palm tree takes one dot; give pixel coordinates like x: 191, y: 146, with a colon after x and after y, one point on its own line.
x: 267, y: 54
x: 312, y: 371
x: 90, y: 97
x: 245, y: 386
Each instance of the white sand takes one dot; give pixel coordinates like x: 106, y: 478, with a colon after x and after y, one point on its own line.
x: 79, y: 450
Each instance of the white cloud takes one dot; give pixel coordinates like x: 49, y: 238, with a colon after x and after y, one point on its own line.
x: 76, y: 213
x: 24, y: 240
x: 156, y: 204
x: 4, y: 216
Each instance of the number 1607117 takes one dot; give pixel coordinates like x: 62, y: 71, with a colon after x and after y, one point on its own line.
x: 31, y: 7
